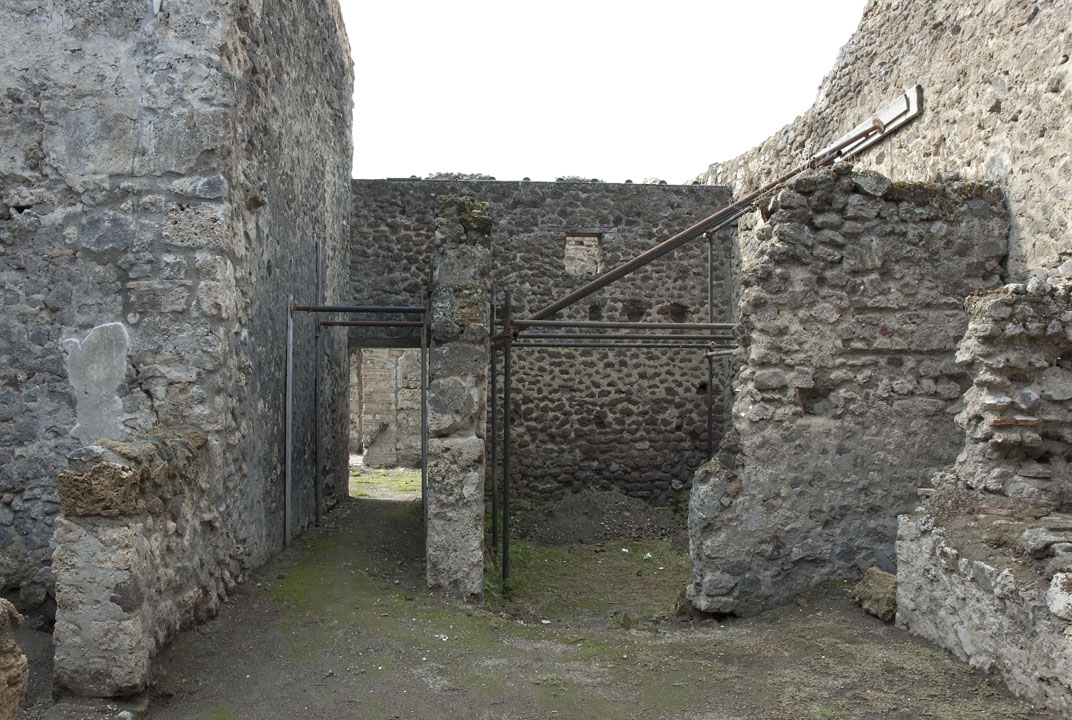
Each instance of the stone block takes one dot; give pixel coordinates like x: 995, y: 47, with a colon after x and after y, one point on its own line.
x: 107, y: 489
x: 14, y: 670
x: 877, y: 594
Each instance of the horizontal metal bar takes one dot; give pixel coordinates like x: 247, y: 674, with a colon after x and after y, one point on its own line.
x: 693, y: 346
x: 600, y: 325
x: 373, y: 323
x: 611, y: 336
x: 385, y: 309
x: 402, y: 343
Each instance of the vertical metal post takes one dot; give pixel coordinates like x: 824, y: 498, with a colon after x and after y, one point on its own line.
x: 318, y: 394
x: 507, y: 421
x: 710, y: 360
x: 494, y: 435
x: 424, y: 408
x: 288, y: 509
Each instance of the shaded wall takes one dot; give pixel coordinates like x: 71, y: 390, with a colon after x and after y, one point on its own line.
x: 166, y: 180
x: 633, y: 420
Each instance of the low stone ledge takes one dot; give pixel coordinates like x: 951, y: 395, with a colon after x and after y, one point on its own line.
x: 996, y: 614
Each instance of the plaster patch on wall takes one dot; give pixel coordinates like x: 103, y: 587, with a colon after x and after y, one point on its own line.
x: 96, y: 366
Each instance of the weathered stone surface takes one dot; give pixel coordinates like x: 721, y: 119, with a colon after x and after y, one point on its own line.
x: 155, y: 217
x: 107, y: 489
x: 994, y: 77
x: 635, y: 421
x: 997, y: 620
x: 457, y: 397
x: 844, y: 397
x: 1059, y: 595
x: 877, y: 593
x: 996, y: 592
x: 14, y: 671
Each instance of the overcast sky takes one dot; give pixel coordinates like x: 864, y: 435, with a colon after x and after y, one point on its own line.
x: 592, y: 88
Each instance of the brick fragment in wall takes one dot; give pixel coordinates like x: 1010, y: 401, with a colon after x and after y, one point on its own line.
x: 847, y: 386
x: 1003, y: 605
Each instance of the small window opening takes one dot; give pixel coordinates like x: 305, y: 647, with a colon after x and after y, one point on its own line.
x: 582, y: 254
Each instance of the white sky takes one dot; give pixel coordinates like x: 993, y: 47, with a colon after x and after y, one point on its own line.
x: 594, y: 88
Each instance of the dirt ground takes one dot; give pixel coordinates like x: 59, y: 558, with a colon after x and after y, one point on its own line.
x: 342, y: 626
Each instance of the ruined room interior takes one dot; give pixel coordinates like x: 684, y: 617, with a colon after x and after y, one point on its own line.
x: 856, y: 359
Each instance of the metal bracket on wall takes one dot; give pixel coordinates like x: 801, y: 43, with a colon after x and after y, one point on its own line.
x: 888, y: 120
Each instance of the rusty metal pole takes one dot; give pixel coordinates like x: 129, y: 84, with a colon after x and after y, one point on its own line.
x: 507, y: 421
x: 494, y: 435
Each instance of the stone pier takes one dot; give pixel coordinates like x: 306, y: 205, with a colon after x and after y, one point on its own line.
x: 457, y: 396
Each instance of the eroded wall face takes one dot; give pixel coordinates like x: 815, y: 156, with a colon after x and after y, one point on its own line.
x: 996, y: 95
x: 851, y: 310
x: 112, y: 217
x: 985, y: 567
x: 164, y: 182
x: 633, y: 420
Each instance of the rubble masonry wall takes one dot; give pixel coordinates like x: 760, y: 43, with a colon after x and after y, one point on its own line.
x: 850, y: 312
x: 633, y: 420
x: 985, y: 567
x: 997, y: 87
x: 165, y: 179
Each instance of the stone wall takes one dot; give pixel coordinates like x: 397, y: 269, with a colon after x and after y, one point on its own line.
x: 634, y: 420
x: 850, y: 313
x: 985, y: 567
x: 168, y: 178
x: 996, y: 82
x: 388, y: 408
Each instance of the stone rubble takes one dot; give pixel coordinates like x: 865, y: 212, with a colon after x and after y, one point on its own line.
x: 14, y: 671
x: 877, y: 593
x: 984, y: 566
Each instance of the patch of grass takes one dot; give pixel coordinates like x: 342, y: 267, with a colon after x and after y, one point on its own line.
x: 394, y: 481
x: 641, y: 579
x: 220, y: 713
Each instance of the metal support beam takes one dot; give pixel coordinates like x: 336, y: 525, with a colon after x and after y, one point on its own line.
x: 635, y: 345
x: 507, y: 420
x: 374, y: 323
x: 288, y: 502
x: 424, y: 414
x: 494, y: 435
x: 863, y: 135
x: 627, y: 336
x: 601, y: 325
x: 384, y: 309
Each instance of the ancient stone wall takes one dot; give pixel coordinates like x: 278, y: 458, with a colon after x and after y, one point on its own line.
x: 850, y: 313
x: 997, y: 88
x: 388, y: 409
x: 169, y: 175
x: 985, y: 567
x: 634, y: 420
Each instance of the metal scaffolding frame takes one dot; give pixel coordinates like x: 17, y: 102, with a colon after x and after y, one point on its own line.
x: 372, y: 342
x: 510, y: 332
